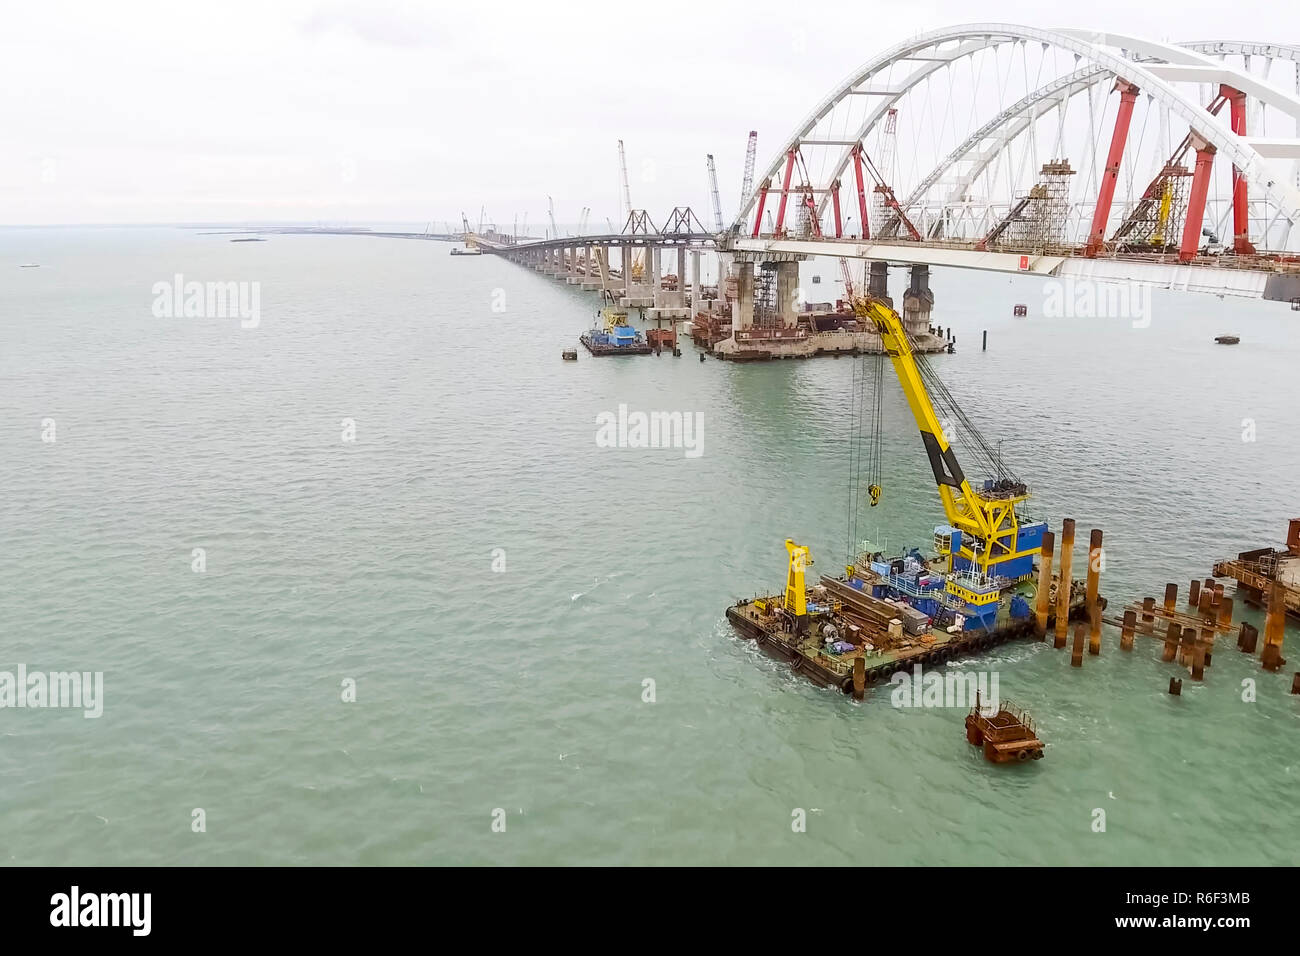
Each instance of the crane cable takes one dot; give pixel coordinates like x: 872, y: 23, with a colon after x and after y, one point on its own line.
x: 972, y: 439
x: 855, y: 458
x: 870, y: 458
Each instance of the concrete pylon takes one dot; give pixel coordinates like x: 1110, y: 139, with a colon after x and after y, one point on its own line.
x: 680, y: 295
x: 654, y: 277
x: 787, y: 289
x: 725, y: 271
x: 918, y: 301
x: 742, y: 310
x: 878, y: 283
x: 697, y: 302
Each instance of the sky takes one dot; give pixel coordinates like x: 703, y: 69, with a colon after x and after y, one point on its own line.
x: 334, y: 111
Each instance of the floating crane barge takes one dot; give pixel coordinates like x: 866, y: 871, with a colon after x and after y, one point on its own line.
x: 887, y: 613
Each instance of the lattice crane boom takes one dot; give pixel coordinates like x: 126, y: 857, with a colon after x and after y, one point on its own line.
x: 751, y: 150
x: 713, y: 189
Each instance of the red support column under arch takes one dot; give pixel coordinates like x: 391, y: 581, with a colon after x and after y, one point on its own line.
x: 1241, y: 243
x: 1196, y: 200
x: 1097, y: 234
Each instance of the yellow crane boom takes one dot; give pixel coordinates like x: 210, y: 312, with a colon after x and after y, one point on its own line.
x: 987, y: 518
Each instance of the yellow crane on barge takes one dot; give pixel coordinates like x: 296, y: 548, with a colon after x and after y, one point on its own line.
x: 990, y: 539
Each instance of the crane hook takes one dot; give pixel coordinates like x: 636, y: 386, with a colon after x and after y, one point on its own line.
x: 874, y: 491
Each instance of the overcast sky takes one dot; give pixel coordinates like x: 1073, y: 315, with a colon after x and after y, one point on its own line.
x: 384, y: 110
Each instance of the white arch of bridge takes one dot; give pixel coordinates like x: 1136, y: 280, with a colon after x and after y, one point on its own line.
x: 1088, y: 47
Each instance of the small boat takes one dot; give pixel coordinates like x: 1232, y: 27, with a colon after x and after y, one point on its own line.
x: 467, y: 252
x: 1227, y: 339
x: 30, y: 265
x: 1005, y: 736
x: 250, y: 239
x: 569, y: 355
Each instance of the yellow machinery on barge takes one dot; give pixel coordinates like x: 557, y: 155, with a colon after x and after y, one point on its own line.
x: 882, y: 616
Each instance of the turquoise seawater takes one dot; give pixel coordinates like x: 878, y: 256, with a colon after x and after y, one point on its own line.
x: 500, y: 588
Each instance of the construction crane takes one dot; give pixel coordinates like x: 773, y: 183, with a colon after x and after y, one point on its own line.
x: 550, y: 211
x: 636, y: 269
x: 470, y: 238
x: 985, y: 536
x: 713, y: 188
x: 751, y: 148
x: 627, y: 193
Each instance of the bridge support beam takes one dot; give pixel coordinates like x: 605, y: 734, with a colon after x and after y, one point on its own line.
x: 1241, y: 243
x: 1097, y: 235
x: 918, y: 301
x: 1196, y: 199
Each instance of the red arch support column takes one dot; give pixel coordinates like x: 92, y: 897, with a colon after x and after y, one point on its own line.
x: 1097, y: 234
x: 785, y: 193
x: 762, y: 201
x: 1241, y: 243
x: 1196, y: 201
x: 865, y: 229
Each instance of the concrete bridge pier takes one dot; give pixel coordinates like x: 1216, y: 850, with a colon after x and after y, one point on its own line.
x: 590, y: 273
x: 725, y: 270
x: 787, y: 291
x: 574, y: 275
x: 878, y: 283
x: 697, y: 302
x: 670, y: 303
x: 918, y: 301
x: 627, y: 259
x: 742, y: 310
x: 641, y: 295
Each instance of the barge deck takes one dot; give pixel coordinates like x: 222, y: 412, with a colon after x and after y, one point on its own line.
x: 758, y: 619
